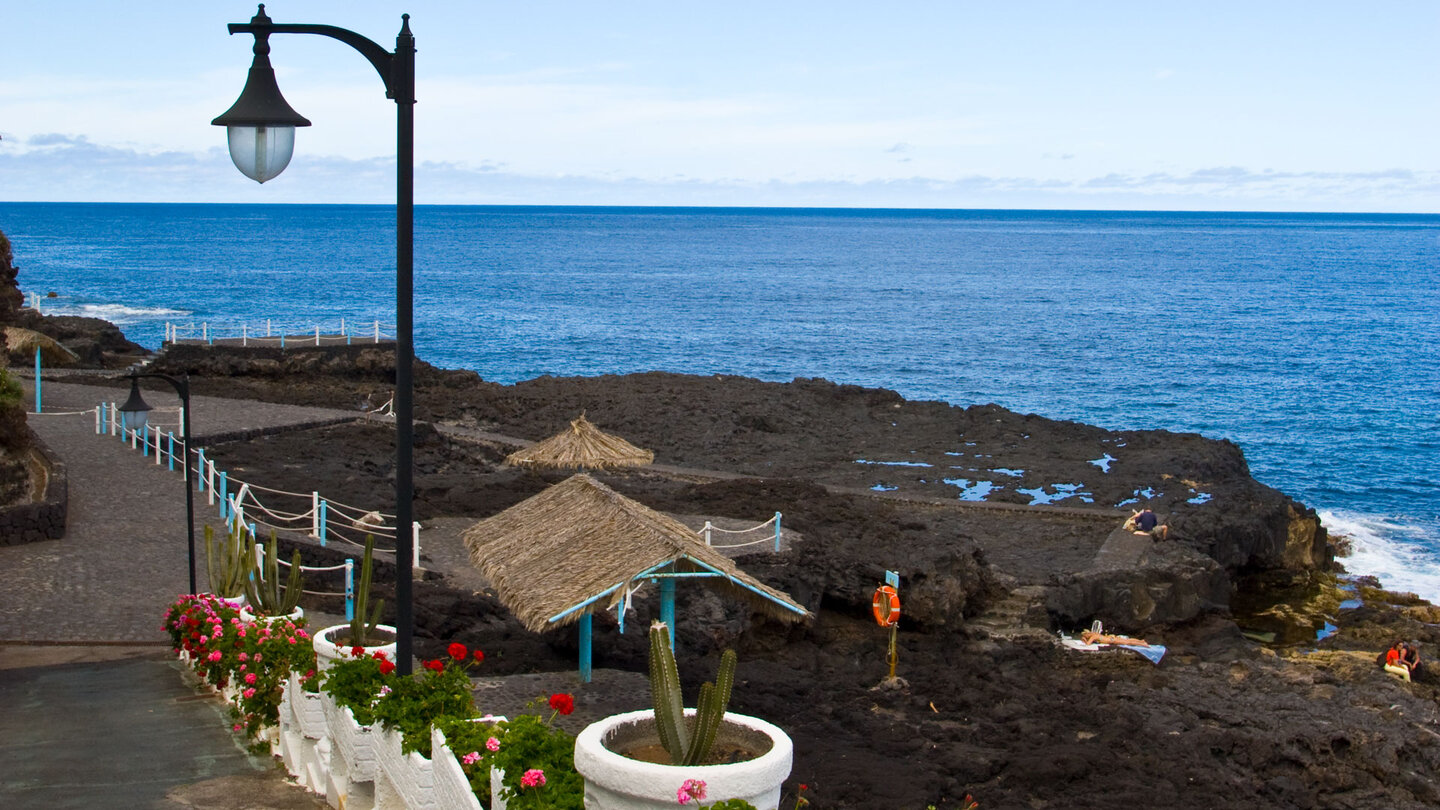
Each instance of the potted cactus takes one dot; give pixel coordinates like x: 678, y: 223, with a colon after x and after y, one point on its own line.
x: 263, y: 593
x: 364, y: 630
x: 226, y: 566
x: 647, y: 759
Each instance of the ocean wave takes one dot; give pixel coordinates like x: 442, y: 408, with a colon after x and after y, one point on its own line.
x: 115, y: 313
x: 1400, y: 553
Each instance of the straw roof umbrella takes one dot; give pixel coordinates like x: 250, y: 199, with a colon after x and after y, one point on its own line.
x: 554, y: 557
x: 582, y: 446
x: 23, y: 343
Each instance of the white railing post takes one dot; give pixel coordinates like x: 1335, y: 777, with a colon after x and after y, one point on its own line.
x: 112, y: 419
x: 157, y: 447
x: 377, y: 331
x: 205, y: 331
x: 267, y: 327
x: 99, y: 419
x: 707, y: 532
x: 244, y: 335
x: 415, y: 545
x: 317, y: 334
x: 314, y: 514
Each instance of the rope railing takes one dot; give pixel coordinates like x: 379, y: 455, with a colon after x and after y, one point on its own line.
x: 281, y: 334
x: 314, y: 516
x: 710, y: 529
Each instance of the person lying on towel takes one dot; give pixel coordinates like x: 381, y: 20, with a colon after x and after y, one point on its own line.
x: 1090, y: 637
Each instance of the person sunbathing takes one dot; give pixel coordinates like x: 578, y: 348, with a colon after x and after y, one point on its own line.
x: 1395, y: 662
x: 1091, y: 637
x: 1147, y: 523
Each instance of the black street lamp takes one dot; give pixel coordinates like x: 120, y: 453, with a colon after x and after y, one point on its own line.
x: 135, y: 413
x: 261, y: 128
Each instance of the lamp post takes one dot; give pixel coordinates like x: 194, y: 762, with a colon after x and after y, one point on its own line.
x: 261, y: 130
x: 135, y: 414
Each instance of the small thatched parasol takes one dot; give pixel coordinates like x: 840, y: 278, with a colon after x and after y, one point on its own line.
x: 21, y: 343
x: 557, y: 555
x: 583, y: 446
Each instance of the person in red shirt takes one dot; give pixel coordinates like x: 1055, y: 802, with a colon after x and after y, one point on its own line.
x: 1395, y: 662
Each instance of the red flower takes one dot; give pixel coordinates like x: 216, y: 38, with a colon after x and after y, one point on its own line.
x: 437, y: 665
x: 562, y: 703
x: 379, y: 655
x: 386, y: 667
x: 457, y: 651
x: 479, y: 656
x: 356, y: 652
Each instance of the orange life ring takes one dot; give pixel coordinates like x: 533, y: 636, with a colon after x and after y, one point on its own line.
x: 886, y: 606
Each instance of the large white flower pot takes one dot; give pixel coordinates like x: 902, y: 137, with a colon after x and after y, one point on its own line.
x: 249, y: 618
x: 452, y: 787
x: 327, y: 650
x: 402, y: 780
x: 615, y: 782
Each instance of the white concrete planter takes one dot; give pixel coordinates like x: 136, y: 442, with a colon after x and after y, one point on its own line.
x: 352, y: 745
x: 246, y: 616
x: 452, y: 788
x: 327, y: 650
x: 615, y: 782
x: 402, y: 780
x: 306, y: 708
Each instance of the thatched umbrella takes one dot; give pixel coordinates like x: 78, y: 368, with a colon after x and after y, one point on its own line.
x: 554, y: 557
x: 583, y: 446
x: 22, y: 344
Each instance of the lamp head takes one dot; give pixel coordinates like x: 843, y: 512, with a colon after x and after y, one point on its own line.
x: 261, y: 124
x: 135, y: 413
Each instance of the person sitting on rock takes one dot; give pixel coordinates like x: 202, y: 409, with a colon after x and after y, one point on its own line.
x: 1145, y: 522
x: 1091, y: 637
x: 1395, y: 662
x: 1410, y: 657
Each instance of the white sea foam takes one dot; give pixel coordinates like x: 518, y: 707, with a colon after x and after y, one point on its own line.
x: 114, y: 313
x: 1402, y: 555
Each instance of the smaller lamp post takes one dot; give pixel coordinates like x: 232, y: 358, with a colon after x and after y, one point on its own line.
x: 134, y: 415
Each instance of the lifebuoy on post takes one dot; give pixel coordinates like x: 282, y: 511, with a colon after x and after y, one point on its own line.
x: 886, y: 606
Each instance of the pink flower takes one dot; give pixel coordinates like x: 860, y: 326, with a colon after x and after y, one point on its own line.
x: 214, y: 656
x: 532, y: 778
x: 292, y: 639
x: 249, y: 677
x: 691, y: 789
x: 249, y: 693
x: 257, y: 658
x: 471, y: 758
x: 236, y: 727
x: 241, y: 631
x: 244, y: 656
x: 492, y: 744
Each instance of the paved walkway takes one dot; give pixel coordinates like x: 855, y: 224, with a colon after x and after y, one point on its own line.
x: 94, y: 712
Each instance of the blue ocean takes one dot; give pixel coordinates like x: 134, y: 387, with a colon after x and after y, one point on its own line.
x: 1311, y: 340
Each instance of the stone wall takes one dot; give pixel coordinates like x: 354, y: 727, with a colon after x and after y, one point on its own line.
x: 44, y: 518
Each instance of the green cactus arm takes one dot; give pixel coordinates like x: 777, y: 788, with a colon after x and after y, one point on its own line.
x: 358, y: 634
x: 705, y: 726
x: 294, y: 587
x: 725, y: 681
x: 665, y: 693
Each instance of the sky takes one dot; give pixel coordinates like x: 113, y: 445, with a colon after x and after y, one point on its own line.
x: 1274, y: 106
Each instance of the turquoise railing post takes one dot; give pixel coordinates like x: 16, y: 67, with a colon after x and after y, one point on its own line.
x: 667, y: 606
x: 224, y: 508
x: 172, y: 451
x: 145, y: 443
x: 349, y: 590
x: 282, y: 341
x: 100, y: 425
x: 324, y: 516
x: 584, y: 624
x: 200, y: 463
x: 38, y: 409
x: 777, y: 531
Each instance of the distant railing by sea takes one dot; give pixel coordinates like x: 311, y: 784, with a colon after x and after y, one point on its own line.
x: 280, y: 334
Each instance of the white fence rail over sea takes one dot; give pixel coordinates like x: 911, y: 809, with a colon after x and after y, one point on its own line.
x: 280, y: 333
x: 246, y: 506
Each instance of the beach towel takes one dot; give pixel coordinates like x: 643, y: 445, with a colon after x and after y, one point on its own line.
x: 1152, y: 652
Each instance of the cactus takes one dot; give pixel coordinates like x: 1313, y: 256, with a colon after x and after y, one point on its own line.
x: 225, y: 564
x: 262, y: 588
x: 360, y: 629
x: 687, y: 742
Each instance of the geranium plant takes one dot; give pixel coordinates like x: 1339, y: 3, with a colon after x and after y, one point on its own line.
x: 358, y: 681
x: 441, y: 688
x: 537, y: 758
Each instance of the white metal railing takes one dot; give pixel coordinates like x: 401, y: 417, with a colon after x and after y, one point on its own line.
x: 281, y: 334
x: 770, y: 537
x: 301, y: 512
